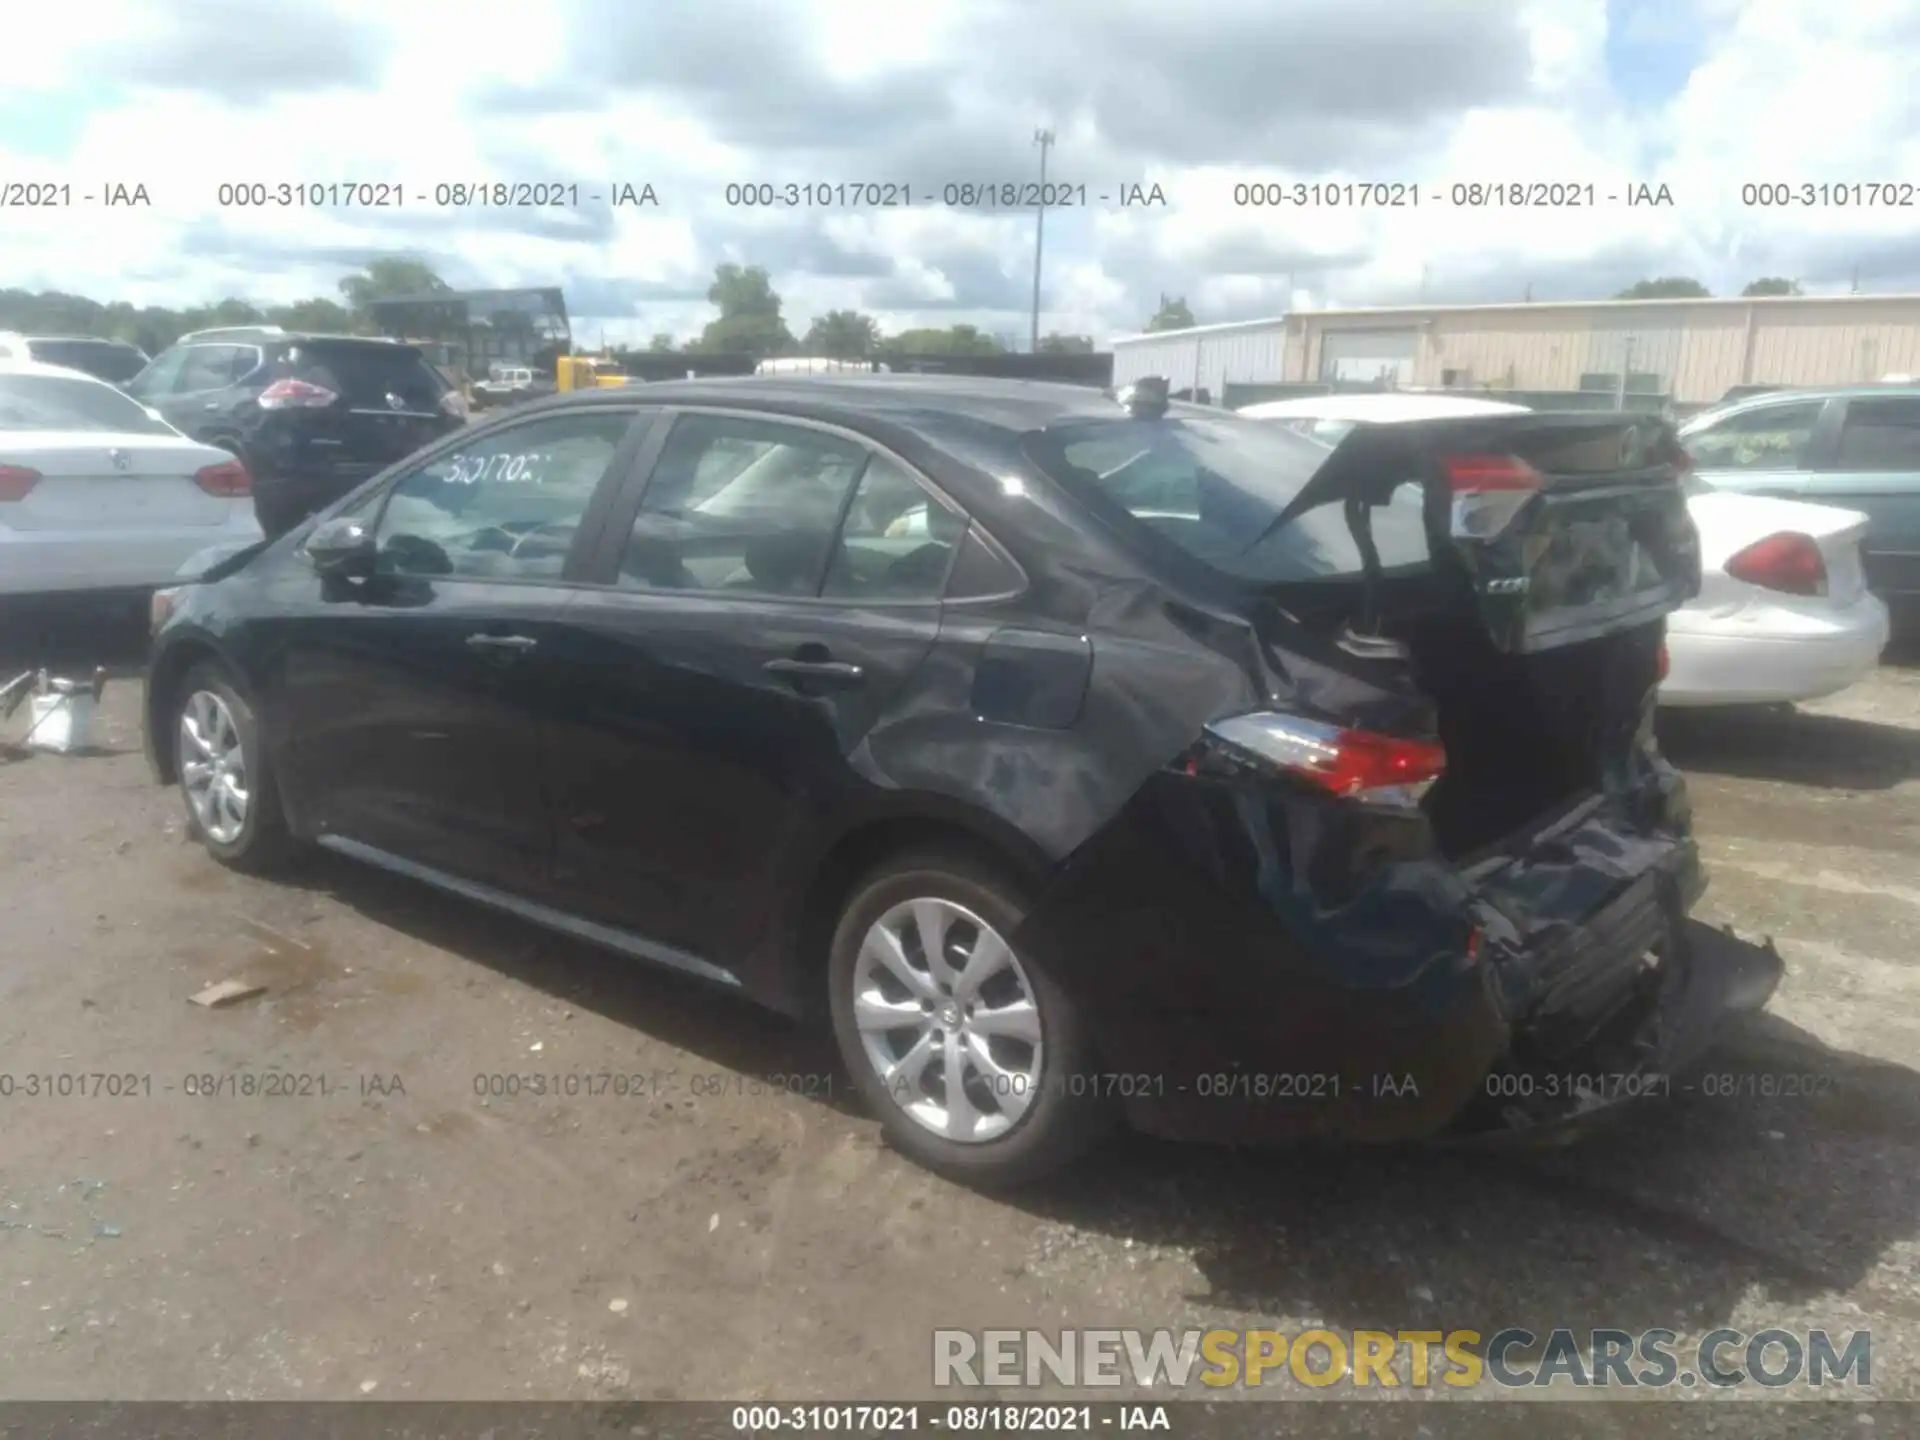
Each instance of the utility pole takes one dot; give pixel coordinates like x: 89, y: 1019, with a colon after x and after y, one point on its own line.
x: 1044, y: 139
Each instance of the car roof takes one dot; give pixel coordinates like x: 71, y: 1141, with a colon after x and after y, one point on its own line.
x: 61, y: 372
x: 68, y: 339
x: 902, y: 399
x: 1377, y: 408
x: 1802, y: 395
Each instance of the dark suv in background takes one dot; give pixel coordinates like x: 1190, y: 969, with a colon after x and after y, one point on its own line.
x: 114, y: 361
x: 310, y: 415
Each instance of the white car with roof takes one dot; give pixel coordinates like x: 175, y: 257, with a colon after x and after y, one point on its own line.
x: 98, y: 493
x: 1783, y: 612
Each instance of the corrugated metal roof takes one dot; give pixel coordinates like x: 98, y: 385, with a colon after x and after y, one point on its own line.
x: 1403, y: 312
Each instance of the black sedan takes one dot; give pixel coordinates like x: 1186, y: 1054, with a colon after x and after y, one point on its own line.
x: 1083, y: 756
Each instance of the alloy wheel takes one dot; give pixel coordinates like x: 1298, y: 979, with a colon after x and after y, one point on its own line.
x: 213, y: 767
x: 949, y: 1020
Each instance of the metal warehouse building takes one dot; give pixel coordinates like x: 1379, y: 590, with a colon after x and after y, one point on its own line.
x: 1689, y: 351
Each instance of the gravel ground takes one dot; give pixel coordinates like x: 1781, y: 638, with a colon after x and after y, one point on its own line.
x: 705, y: 1236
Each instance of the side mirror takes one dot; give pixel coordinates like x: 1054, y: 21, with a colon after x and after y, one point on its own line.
x: 341, y: 549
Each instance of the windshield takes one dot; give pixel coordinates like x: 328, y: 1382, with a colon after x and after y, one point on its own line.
x: 1215, y: 486
x: 55, y: 402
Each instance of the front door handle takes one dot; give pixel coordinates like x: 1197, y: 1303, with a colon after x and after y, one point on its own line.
x: 836, y: 673
x: 517, y: 644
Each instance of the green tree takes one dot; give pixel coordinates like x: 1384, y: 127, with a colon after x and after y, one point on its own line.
x: 1066, y: 345
x: 1173, y: 314
x: 319, y: 314
x: 1669, y: 287
x: 234, y: 312
x: 1773, y: 285
x: 842, y: 335
x: 662, y: 343
x: 955, y: 340
x: 388, y: 278
x: 750, y: 322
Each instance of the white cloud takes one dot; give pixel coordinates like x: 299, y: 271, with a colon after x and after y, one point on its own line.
x: 1785, y: 91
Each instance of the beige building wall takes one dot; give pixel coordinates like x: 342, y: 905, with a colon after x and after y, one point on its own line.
x: 1699, y: 349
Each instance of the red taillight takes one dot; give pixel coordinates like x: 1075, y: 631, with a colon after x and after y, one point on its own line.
x: 1488, y: 491
x: 296, y: 395
x: 16, y: 481
x: 1664, y: 663
x: 1469, y: 474
x: 1786, y: 562
x: 1363, y: 761
x: 229, y: 479
x: 1344, y: 762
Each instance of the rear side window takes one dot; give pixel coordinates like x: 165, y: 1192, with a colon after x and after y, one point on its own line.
x: 51, y: 402
x: 741, y: 505
x: 1215, y: 488
x: 102, y: 358
x: 1880, y: 435
x: 366, y: 374
x: 1774, y: 437
x: 897, y: 542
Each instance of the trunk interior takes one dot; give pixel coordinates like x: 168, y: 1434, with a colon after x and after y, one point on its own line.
x: 1527, y: 735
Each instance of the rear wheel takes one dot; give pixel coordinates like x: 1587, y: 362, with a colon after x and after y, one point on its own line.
x: 967, y: 1050
x: 226, y: 779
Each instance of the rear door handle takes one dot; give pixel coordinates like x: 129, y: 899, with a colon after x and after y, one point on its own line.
x: 831, y: 672
x: 517, y: 644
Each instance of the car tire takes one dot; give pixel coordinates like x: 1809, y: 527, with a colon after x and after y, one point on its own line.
x: 223, y: 717
x: 1062, y: 1115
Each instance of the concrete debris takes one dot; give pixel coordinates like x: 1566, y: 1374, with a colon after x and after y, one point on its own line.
x: 227, y: 992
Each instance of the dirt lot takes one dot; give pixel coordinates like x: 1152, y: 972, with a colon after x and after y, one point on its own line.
x: 406, y: 1236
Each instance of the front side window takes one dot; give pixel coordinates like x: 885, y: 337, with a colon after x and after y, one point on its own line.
x: 55, y: 402
x: 1774, y: 437
x: 738, y: 504
x: 506, y: 506
x: 161, y: 375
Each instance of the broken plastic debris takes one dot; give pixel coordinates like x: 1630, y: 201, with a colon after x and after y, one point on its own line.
x: 714, y: 1223
x: 537, y: 1045
x: 227, y: 992
x: 367, y: 1387
x: 619, y: 1307
x: 107, y: 1232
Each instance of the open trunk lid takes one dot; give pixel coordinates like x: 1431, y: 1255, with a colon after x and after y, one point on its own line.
x: 1552, y: 528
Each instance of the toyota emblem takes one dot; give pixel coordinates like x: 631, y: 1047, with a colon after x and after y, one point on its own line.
x: 121, y: 459
x: 395, y: 402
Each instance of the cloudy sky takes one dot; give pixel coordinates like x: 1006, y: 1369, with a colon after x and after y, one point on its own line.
x: 690, y: 95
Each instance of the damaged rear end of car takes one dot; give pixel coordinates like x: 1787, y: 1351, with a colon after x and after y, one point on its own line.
x: 1428, y: 874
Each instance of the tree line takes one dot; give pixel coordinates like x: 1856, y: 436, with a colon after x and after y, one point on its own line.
x: 750, y: 321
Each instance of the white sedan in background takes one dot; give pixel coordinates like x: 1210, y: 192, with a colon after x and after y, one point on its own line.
x: 1783, y: 611
x: 97, y: 493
